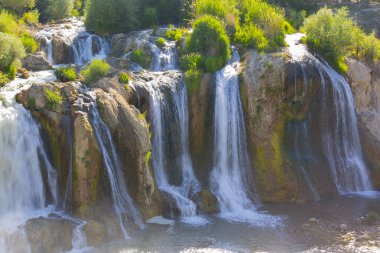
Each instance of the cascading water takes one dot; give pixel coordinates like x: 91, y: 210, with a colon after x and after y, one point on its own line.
x: 89, y: 46
x: 340, y: 136
x: 123, y: 204
x: 229, y: 179
x: 22, y: 191
x: 47, y: 39
x: 164, y: 58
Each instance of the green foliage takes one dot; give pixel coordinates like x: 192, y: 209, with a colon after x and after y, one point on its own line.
x: 58, y: 9
x: 336, y: 36
x: 217, y: 8
x: 268, y: 17
x: 4, y: 79
x: 147, y: 158
x: 8, y: 23
x: 150, y: 17
x: 191, y: 61
x: 124, y: 78
x: 18, y: 5
x: 52, y: 98
x: 161, y: 42
x: 96, y: 70
x: 141, y: 57
x: 11, y: 72
x: 295, y: 18
x: 175, y: 34
x: 11, y: 50
x: 251, y: 36
x: 112, y: 16
x: 31, y: 17
x: 209, y: 39
x: 29, y: 43
x: 66, y: 74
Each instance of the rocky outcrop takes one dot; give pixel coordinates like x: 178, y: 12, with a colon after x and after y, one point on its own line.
x: 124, y: 43
x: 36, y: 62
x: 365, y: 84
x: 131, y: 135
x: 62, y: 52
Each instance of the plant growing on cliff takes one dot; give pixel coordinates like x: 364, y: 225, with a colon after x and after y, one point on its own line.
x: 52, y: 98
x: 4, y: 79
x: 66, y: 74
x: 209, y: 39
x: 11, y: 50
x: 141, y: 57
x: 124, y: 78
x: 96, y: 70
x: 161, y: 42
x: 29, y: 43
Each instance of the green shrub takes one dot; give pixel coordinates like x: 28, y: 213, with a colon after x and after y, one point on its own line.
x: 209, y: 39
x: 336, y: 36
x: 31, y: 17
x: 175, y: 34
x: 11, y: 50
x: 52, y: 98
x: 141, y: 57
x: 112, y: 16
x: 295, y: 18
x: 11, y: 72
x: 124, y: 78
x: 66, y: 74
x: 18, y: 5
x: 150, y: 17
x: 161, y: 42
x: 58, y: 9
x: 8, y: 23
x: 370, y: 48
x: 191, y: 61
x: 251, y: 36
x: 96, y: 70
x: 29, y: 43
x: 4, y: 79
x: 217, y: 8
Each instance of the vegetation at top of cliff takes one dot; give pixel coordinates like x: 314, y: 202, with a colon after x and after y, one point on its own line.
x: 209, y: 39
x: 336, y: 36
x: 52, y: 98
x: 96, y: 70
x: 66, y: 74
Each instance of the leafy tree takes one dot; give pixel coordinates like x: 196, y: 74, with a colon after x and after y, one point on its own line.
x: 11, y: 50
x: 58, y: 9
x: 18, y: 5
x: 112, y: 16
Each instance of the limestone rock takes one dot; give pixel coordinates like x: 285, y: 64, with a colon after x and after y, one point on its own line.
x: 206, y: 202
x: 36, y: 62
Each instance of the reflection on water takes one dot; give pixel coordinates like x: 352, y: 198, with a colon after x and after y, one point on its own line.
x: 222, y: 236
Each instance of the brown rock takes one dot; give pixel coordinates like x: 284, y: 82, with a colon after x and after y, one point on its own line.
x: 36, y: 62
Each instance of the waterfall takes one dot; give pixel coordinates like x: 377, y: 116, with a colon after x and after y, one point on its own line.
x: 123, y: 204
x: 229, y: 179
x: 47, y: 39
x: 22, y: 155
x: 165, y: 58
x: 340, y: 135
x: 89, y: 46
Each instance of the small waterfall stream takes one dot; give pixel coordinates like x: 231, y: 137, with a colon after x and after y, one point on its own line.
x: 123, y: 204
x: 230, y: 177
x: 87, y: 47
x: 22, y: 191
x: 340, y: 135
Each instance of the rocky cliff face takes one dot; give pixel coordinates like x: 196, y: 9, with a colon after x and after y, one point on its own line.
x: 365, y: 84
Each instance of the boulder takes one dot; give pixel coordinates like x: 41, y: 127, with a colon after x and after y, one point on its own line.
x: 62, y: 51
x: 124, y: 43
x: 36, y: 62
x: 206, y: 202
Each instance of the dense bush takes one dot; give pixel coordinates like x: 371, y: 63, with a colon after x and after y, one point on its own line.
x: 8, y: 23
x: 209, y: 39
x: 29, y: 43
x: 124, y: 78
x: 58, y: 9
x: 191, y: 61
x: 66, y: 74
x: 335, y: 35
x: 11, y: 50
x: 31, y: 17
x: 52, y: 98
x: 18, y: 5
x: 175, y: 34
x: 161, y: 42
x: 251, y: 36
x: 4, y: 79
x: 96, y: 70
x: 141, y: 57
x: 112, y: 16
